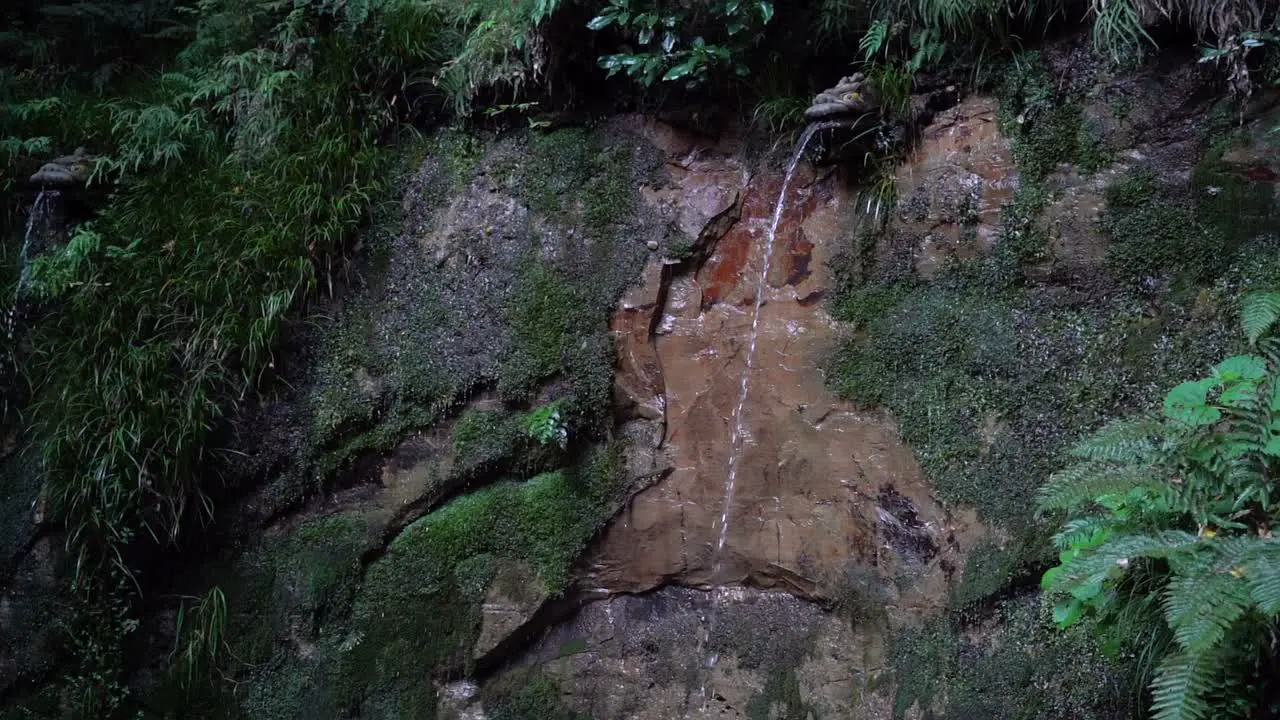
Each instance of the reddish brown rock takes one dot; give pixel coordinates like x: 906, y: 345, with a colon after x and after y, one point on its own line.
x: 821, y: 487
x: 954, y: 184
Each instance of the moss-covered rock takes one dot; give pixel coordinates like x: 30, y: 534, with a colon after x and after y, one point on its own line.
x: 1013, y: 664
x: 525, y: 694
x: 288, y: 605
x: 418, y: 614
x: 499, y: 269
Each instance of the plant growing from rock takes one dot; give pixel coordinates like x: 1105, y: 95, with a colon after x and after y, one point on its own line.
x: 1170, y: 544
x: 546, y: 424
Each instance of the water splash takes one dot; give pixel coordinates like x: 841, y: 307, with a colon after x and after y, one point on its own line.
x: 737, y: 427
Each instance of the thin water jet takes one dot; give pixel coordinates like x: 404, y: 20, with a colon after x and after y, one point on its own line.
x: 737, y: 428
x: 35, y: 220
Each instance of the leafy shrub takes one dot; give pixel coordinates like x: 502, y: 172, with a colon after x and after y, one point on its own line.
x: 673, y: 37
x: 1170, y: 541
x: 244, y: 147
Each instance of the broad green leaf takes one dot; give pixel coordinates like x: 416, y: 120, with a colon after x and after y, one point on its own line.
x: 681, y: 70
x: 601, y: 22
x: 1066, y: 614
x: 766, y: 10
x: 1085, y: 593
x: 1240, y: 393
x: 1050, y: 577
x: 1242, y: 367
x: 1187, y: 403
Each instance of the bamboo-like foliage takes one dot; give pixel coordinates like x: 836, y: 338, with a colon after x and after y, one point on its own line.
x: 238, y: 174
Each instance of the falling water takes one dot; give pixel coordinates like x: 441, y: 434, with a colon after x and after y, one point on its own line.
x: 34, y: 222
x: 737, y: 430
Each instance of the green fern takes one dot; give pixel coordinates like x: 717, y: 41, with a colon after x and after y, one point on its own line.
x: 1208, y: 463
x: 1120, y: 552
x: 1201, y: 606
x: 1258, y: 314
x: 1121, y: 441
x: 1182, y: 681
x: 1263, y: 573
x: 1083, y: 483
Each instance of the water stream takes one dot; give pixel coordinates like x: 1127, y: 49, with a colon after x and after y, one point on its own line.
x: 737, y: 427
x: 35, y: 221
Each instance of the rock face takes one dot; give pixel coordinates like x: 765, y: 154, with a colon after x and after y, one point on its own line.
x: 954, y: 184
x: 828, y: 510
x: 820, y: 487
x: 775, y: 656
x: 407, y: 551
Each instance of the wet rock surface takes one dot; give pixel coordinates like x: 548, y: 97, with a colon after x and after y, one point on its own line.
x: 954, y: 184
x: 805, y: 503
x: 775, y: 656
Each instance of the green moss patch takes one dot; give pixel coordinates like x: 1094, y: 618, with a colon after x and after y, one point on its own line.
x: 526, y: 694
x: 1046, y: 130
x: 302, y: 577
x: 1155, y: 234
x: 989, y: 385
x: 419, y: 611
x: 499, y: 269
x: 1012, y: 665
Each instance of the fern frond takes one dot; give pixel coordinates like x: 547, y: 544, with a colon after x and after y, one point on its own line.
x: 1259, y: 561
x: 1182, y: 681
x: 1201, y: 606
x: 1077, y: 531
x: 1258, y: 312
x: 1084, y: 482
x: 874, y: 40
x: 1121, y: 441
x: 1119, y: 551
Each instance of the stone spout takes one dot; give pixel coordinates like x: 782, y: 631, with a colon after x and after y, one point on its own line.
x: 65, y: 171
x: 849, y: 100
